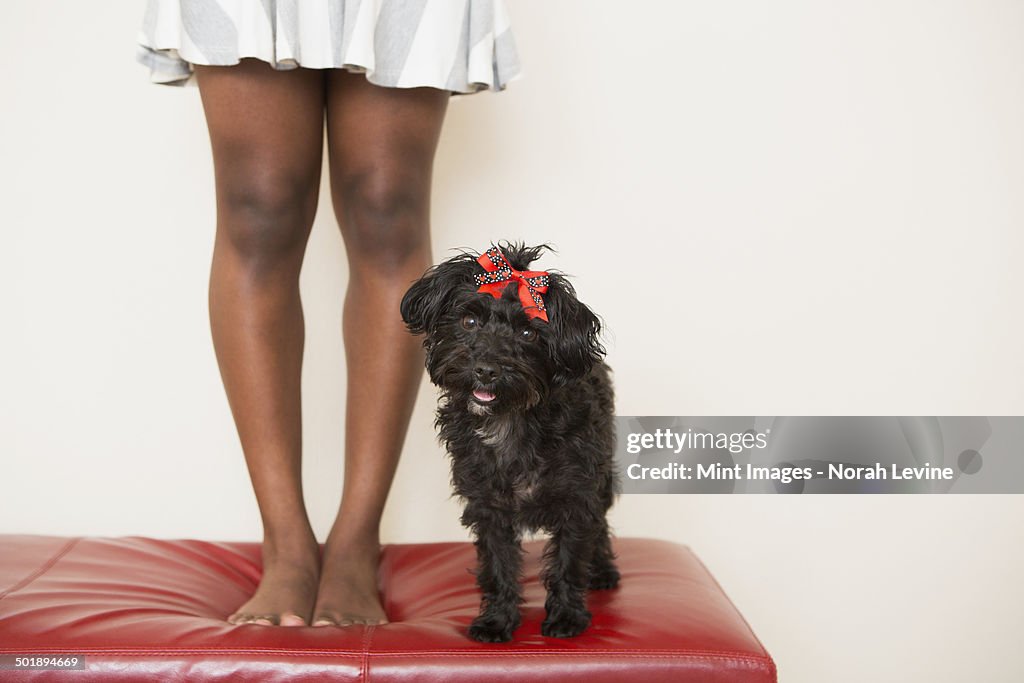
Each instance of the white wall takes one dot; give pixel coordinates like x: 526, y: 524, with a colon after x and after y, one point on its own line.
x: 840, y: 181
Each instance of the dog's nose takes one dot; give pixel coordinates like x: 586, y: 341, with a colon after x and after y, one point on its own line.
x: 486, y: 372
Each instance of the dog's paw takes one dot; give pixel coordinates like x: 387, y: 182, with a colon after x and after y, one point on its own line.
x: 490, y: 629
x: 604, y: 578
x: 565, y: 624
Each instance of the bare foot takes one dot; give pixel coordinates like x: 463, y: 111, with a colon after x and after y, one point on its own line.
x: 287, y: 590
x: 348, y: 585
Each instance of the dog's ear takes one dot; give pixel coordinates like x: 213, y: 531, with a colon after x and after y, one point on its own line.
x: 436, y: 293
x: 574, y: 335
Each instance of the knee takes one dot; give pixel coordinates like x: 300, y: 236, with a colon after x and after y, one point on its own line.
x: 386, y: 218
x: 267, y: 216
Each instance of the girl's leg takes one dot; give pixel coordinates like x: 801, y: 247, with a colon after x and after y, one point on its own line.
x: 266, y: 130
x: 381, y: 144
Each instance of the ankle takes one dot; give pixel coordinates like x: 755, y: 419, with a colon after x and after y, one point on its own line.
x: 354, y: 540
x: 296, y: 542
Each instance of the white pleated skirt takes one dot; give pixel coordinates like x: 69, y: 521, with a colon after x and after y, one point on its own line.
x: 463, y: 46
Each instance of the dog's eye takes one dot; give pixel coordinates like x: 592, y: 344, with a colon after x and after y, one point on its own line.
x: 470, y: 322
x: 528, y: 334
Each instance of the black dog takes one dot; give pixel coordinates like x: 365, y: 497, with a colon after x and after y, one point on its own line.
x: 526, y: 414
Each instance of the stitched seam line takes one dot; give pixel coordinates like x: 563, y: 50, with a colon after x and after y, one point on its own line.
x: 364, y: 669
x: 42, y: 569
x: 588, y: 655
x: 353, y: 655
x: 775, y: 675
x: 625, y: 652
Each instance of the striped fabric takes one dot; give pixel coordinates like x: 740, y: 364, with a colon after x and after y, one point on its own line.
x: 459, y: 45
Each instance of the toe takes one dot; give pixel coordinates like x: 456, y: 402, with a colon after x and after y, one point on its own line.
x: 292, y: 620
x: 369, y: 621
x: 347, y: 620
x: 243, y: 618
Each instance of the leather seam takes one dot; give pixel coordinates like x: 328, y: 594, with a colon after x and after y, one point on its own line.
x: 41, y: 569
x: 431, y: 651
x: 638, y: 654
x: 584, y: 654
x: 775, y: 675
x: 364, y: 671
x: 582, y: 651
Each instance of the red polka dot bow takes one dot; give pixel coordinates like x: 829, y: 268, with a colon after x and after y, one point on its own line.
x: 500, y: 272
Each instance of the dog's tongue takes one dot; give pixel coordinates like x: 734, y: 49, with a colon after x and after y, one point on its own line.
x: 482, y: 395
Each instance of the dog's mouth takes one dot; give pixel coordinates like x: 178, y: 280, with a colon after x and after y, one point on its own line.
x: 483, y: 395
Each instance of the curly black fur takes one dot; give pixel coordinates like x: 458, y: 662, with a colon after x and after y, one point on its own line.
x: 532, y: 448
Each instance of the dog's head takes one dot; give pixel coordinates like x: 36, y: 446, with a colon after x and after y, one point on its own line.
x: 485, y: 352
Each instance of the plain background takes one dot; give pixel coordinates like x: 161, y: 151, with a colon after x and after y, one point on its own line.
x: 785, y: 208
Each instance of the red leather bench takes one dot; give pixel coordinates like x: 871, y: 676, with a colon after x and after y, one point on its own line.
x: 140, y: 608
